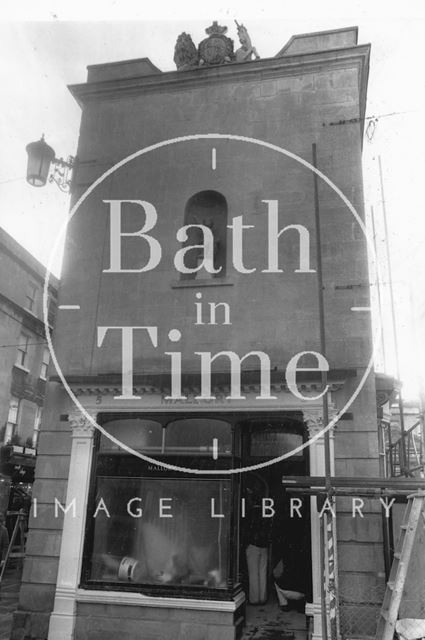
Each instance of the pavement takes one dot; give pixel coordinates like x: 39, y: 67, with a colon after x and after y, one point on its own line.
x: 269, y: 622
x: 9, y: 594
x: 264, y: 622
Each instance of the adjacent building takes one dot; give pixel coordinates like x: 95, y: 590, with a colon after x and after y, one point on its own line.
x: 24, y: 360
x: 189, y: 293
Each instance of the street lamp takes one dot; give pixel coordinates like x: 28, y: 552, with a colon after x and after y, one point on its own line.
x: 40, y: 158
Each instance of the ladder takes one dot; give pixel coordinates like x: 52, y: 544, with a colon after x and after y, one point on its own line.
x: 19, y: 527
x: 397, y: 579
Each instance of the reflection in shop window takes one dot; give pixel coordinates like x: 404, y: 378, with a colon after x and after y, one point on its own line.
x: 196, y: 435
x: 143, y: 435
x: 271, y: 443
x: 186, y: 546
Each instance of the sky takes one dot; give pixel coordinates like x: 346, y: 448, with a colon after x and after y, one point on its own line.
x: 47, y: 45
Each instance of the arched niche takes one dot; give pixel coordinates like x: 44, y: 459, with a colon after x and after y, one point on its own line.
x: 208, y: 208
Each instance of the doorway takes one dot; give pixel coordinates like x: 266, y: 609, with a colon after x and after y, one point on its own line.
x: 275, y: 530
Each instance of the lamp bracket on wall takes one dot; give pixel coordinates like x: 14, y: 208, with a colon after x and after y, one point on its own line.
x: 43, y: 165
x: 61, y: 172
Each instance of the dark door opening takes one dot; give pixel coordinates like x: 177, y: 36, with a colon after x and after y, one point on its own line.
x: 275, y: 544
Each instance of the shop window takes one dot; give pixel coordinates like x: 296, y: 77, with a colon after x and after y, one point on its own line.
x: 12, y: 419
x: 170, y: 539
x: 197, y: 435
x: 271, y: 438
x: 45, y: 363
x: 207, y: 208
x: 139, y: 434
x: 22, y: 352
x: 31, y: 296
x: 271, y: 443
x: 155, y: 529
x: 188, y: 436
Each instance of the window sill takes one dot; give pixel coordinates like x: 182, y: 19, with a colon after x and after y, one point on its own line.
x: 21, y: 367
x: 141, y: 600
x: 202, y: 282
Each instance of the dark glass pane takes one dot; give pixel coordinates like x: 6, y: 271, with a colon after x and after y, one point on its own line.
x: 196, y: 435
x: 183, y: 545
x: 271, y: 444
x: 141, y: 435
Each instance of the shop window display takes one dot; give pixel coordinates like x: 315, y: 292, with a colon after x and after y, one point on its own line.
x: 153, y: 527
x: 159, y: 531
x: 170, y: 538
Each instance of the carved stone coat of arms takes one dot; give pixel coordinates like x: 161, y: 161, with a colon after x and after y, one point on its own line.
x: 217, y: 48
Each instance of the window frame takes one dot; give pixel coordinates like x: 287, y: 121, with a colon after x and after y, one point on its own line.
x: 167, y: 449
x: 250, y: 428
x: 240, y: 421
x: 180, y: 591
x: 12, y: 424
x: 31, y: 296
x: 37, y: 425
x: 158, y: 589
x: 22, y: 353
x: 45, y: 363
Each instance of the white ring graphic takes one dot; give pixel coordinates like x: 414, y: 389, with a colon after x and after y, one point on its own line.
x: 118, y: 165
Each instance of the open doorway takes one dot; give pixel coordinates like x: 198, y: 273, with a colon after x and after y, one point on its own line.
x: 275, y: 531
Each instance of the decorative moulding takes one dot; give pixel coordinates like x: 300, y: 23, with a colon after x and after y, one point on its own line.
x: 265, y: 68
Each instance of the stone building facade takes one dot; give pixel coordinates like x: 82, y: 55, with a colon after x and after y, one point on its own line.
x: 203, y: 146
x: 24, y: 361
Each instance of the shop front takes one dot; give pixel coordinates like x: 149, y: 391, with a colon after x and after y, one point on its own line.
x: 17, y: 465
x: 156, y: 524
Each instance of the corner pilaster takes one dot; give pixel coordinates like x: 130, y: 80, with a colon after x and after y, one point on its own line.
x: 62, y: 619
x: 313, y: 419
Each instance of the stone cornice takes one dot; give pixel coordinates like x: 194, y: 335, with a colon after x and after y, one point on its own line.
x: 203, y: 76
x: 95, y: 389
x: 159, y: 383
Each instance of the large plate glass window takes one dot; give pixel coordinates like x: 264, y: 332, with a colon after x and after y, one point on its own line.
x: 158, y: 530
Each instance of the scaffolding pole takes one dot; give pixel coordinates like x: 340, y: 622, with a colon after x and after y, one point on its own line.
x: 378, y: 288
x: 353, y: 483
x: 329, y: 528
x: 403, y: 459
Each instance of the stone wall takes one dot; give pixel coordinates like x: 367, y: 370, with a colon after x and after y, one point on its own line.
x: 289, y: 102
x: 287, y: 109
x: 31, y: 620
x: 96, y: 621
